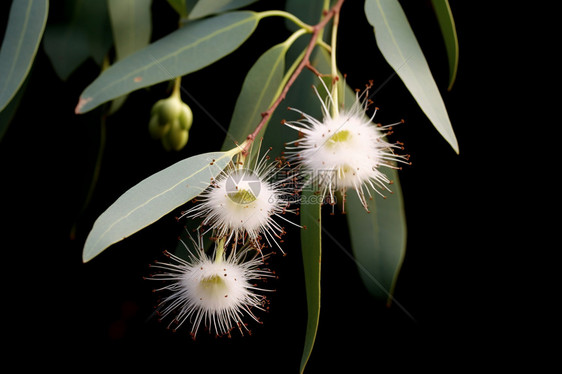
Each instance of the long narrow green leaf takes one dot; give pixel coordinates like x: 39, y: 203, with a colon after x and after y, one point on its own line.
x: 152, y: 198
x: 85, y: 34
x: 24, y: 31
x: 449, y: 31
x: 131, y: 25
x: 205, y: 8
x: 257, y: 94
x: 311, y: 244
x: 309, y: 11
x: 378, y: 239
x: 179, y: 6
x: 399, y: 46
x: 184, y: 51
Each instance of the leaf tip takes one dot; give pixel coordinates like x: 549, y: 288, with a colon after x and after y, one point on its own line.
x: 455, y: 146
x: 81, y: 103
x: 86, y: 256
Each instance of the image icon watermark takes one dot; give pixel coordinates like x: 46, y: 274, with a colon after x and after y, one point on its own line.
x: 243, y: 186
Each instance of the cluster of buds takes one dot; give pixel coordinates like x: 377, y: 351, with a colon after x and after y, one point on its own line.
x: 170, y: 121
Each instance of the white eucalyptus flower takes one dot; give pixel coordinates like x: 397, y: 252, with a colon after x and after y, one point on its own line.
x: 345, y: 150
x: 241, y: 204
x: 216, y: 293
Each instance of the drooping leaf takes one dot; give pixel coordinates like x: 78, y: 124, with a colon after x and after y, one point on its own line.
x: 184, y: 51
x: 179, y: 6
x: 131, y: 25
x: 205, y: 8
x: 85, y: 34
x: 257, y: 94
x: 26, y: 24
x: 309, y: 11
x: 311, y: 244
x: 378, y: 238
x: 449, y: 31
x: 401, y: 50
x: 152, y: 198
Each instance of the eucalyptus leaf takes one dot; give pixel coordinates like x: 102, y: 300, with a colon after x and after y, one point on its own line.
x: 86, y: 33
x: 399, y: 46
x: 131, y: 24
x: 184, y: 51
x: 449, y: 31
x: 378, y: 238
x: 309, y: 11
x: 205, y: 8
x: 26, y: 24
x: 311, y: 244
x: 152, y: 198
x: 257, y: 94
x: 179, y: 6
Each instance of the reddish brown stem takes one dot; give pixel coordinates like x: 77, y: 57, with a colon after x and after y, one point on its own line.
x: 316, y: 29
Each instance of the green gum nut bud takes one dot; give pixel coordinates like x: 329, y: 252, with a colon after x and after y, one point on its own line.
x: 176, y: 138
x: 168, y: 109
x: 156, y: 108
x: 186, y: 117
x: 155, y: 129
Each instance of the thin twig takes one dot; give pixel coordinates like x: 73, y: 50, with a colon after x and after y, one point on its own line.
x: 316, y: 29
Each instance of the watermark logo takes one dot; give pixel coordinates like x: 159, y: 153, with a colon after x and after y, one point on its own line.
x: 243, y: 186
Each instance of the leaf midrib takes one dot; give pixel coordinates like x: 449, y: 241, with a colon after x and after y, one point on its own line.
x: 168, y: 56
x: 229, y: 154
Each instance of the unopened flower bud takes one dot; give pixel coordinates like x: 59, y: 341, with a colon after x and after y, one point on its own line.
x: 186, y: 117
x: 176, y: 138
x: 170, y: 121
x: 156, y: 130
x: 168, y: 109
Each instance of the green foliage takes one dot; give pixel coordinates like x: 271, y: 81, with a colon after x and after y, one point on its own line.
x: 209, y: 7
x: 399, y: 46
x: 84, y: 34
x: 378, y: 239
x: 448, y: 29
x: 23, y: 34
x: 184, y: 51
x: 257, y: 94
x: 311, y: 244
x: 152, y: 198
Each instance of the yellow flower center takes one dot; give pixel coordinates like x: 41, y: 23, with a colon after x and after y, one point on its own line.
x: 340, y: 136
x: 213, y: 283
x: 242, y: 196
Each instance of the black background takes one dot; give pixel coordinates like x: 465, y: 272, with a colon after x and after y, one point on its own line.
x: 466, y: 299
